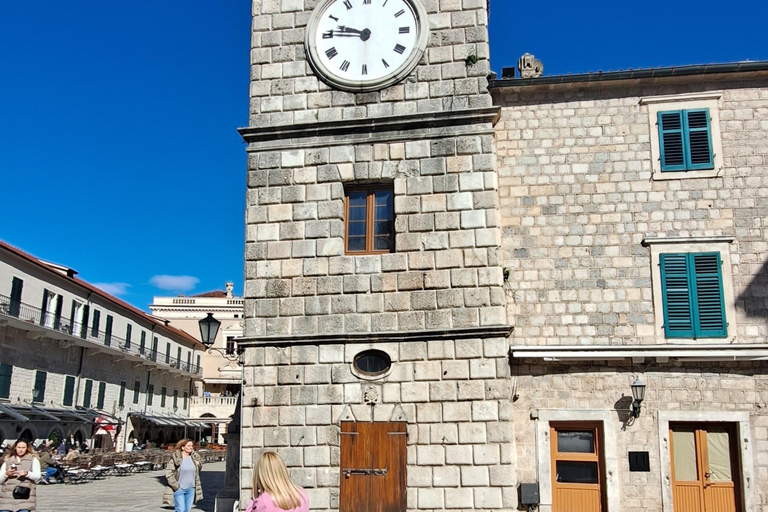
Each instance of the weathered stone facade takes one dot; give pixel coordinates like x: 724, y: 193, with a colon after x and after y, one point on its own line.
x: 550, y: 218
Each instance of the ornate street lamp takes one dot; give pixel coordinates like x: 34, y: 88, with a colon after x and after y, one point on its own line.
x: 209, y: 327
x: 638, y: 393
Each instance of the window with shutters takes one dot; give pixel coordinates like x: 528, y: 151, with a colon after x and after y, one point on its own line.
x: 6, y: 372
x: 108, y: 331
x: 692, y: 291
x: 175, y: 399
x: 17, y: 286
x: 370, y: 220
x: 685, y: 135
x: 136, y: 391
x: 101, y: 396
x: 128, y: 333
x: 143, y: 342
x: 87, y: 393
x: 69, y: 391
x: 121, y: 399
x: 163, y: 395
x: 95, y: 325
x: 186, y: 397
x: 150, y: 394
x: 38, y: 392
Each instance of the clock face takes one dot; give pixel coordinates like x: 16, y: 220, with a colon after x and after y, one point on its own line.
x: 361, y: 45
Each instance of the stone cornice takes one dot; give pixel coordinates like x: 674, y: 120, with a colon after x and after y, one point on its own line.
x: 500, y: 331
x: 381, y: 129
x: 656, y: 240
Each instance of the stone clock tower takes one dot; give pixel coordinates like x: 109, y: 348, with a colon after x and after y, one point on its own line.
x: 375, y: 343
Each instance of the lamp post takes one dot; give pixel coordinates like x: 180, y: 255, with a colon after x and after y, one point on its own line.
x: 209, y: 327
x: 638, y: 393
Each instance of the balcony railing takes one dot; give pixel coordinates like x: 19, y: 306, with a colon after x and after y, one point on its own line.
x: 214, y: 400
x: 48, y: 320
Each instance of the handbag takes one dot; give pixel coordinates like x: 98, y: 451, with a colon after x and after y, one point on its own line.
x: 21, y: 493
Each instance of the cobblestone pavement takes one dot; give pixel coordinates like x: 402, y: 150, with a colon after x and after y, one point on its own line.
x: 142, y: 492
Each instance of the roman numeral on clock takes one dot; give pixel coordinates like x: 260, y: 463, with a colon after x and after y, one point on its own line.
x: 334, y: 18
x: 365, y: 69
x: 386, y: 64
x: 328, y: 35
x: 366, y: 2
x: 348, y: 4
x: 405, y: 30
x: 331, y: 52
x: 399, y: 13
x: 344, y: 65
x: 399, y: 48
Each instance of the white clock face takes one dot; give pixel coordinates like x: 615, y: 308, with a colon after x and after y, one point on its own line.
x: 365, y: 44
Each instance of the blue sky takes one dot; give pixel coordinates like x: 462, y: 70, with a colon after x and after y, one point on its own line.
x: 119, y: 154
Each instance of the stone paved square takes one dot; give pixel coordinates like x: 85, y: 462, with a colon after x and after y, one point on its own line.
x: 141, y: 492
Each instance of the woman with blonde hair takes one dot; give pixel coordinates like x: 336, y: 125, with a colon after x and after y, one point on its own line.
x: 273, y: 489
x: 18, y: 475
x: 183, y: 475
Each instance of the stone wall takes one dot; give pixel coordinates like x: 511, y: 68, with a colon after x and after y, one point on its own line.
x: 454, y: 395
x: 284, y: 90
x: 605, y: 386
x: 445, y: 271
x: 577, y: 199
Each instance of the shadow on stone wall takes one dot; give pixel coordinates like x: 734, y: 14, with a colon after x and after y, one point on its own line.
x: 754, y: 301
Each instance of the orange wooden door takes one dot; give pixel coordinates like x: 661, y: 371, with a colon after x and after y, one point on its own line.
x: 704, y: 463
x: 577, y: 467
x: 373, y: 467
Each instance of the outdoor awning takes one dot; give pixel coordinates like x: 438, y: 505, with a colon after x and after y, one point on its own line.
x: 33, y: 412
x: 170, y: 420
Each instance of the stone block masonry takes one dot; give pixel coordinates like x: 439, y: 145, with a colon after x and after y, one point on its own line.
x: 453, y: 393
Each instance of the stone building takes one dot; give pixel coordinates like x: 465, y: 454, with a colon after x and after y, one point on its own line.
x: 77, y: 361
x: 215, y: 402
x: 451, y: 284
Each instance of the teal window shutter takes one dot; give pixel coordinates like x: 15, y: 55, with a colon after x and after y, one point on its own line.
x: 163, y: 394
x: 96, y: 322
x: 128, y: 332
x: 709, y: 307
x: 38, y: 392
x: 69, y: 390
x: 44, y: 307
x: 84, y: 325
x: 57, y: 314
x: 121, y: 400
x: 692, y: 292
x: 150, y: 394
x: 87, y: 394
x: 108, y: 331
x: 136, y: 391
x: 6, y: 371
x: 102, y: 392
x: 676, y: 294
x: 698, y: 138
x: 671, y: 139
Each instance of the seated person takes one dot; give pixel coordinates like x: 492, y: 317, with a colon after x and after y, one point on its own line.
x: 46, y: 465
x: 71, y: 455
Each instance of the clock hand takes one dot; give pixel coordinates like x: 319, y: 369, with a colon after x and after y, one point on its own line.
x: 364, y: 34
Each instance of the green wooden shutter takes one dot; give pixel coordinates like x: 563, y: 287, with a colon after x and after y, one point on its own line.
x: 84, y: 325
x: 150, y: 394
x: 6, y: 372
x: 175, y: 399
x: 102, y: 392
x: 128, y: 332
x: 671, y: 140
x: 38, y: 392
x: 676, y: 295
x: 44, y: 307
x: 163, y: 394
x: 57, y: 315
x: 136, y: 391
x: 96, y: 322
x: 709, y: 310
x: 121, y: 401
x: 108, y: 331
x: 186, y: 397
x: 72, y: 329
x: 17, y: 286
x: 69, y: 390
x: 698, y: 138
x: 87, y: 394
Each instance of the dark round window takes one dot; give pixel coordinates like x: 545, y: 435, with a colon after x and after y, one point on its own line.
x: 372, y: 362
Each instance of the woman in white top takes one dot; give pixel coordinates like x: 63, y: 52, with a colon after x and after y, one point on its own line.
x: 18, y: 476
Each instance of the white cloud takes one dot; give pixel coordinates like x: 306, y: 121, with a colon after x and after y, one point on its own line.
x: 174, y: 283
x: 113, y: 288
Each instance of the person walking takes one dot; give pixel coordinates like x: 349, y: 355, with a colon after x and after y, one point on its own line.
x: 183, y: 475
x: 18, y: 475
x: 274, y: 491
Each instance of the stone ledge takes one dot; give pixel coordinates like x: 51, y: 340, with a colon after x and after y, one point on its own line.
x: 360, y: 130
x: 656, y: 240
x: 501, y: 331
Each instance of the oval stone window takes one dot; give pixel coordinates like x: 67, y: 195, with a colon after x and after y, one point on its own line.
x: 372, y: 362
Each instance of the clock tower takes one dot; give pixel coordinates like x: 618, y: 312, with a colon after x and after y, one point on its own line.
x: 375, y: 318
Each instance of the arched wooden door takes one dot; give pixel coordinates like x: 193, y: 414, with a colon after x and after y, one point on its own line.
x: 705, y: 467
x: 373, y: 467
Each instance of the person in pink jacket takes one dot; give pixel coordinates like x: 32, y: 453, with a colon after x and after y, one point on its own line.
x: 273, y: 489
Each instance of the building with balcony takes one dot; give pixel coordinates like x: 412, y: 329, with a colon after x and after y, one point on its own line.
x: 75, y: 359
x: 221, y: 374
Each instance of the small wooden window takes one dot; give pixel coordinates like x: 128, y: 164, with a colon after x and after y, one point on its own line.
x: 370, y: 220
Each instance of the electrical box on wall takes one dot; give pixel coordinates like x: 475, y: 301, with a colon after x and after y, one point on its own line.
x: 639, y: 461
x: 529, y: 494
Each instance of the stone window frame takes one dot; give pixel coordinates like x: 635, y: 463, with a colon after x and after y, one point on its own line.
x: 739, y: 418
x: 656, y: 104
x: 718, y: 244
x: 544, y: 447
